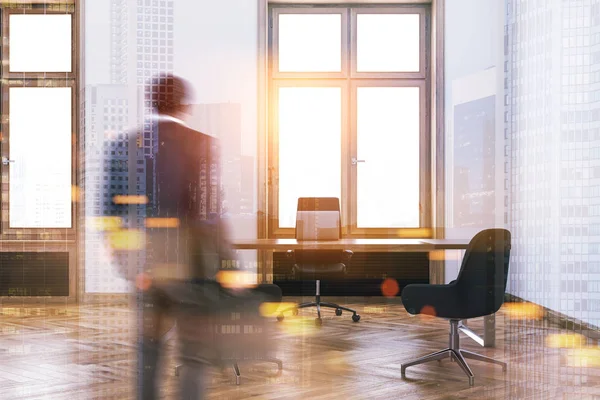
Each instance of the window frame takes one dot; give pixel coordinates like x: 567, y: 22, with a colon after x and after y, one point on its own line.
x: 349, y: 79
x: 37, y: 79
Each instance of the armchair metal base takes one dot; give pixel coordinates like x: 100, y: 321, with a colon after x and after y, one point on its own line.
x: 455, y: 353
x: 318, y: 304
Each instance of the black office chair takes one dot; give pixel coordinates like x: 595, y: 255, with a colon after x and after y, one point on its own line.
x: 478, y: 291
x: 318, y: 218
x: 200, y: 327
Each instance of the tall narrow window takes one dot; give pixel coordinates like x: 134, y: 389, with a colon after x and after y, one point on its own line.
x: 38, y: 117
x: 309, y: 148
x: 388, y: 128
x: 40, y: 151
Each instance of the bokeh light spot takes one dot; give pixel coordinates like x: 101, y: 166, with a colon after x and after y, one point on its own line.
x: 143, y: 282
x: 127, y: 240
x: 269, y: 309
x: 523, y: 311
x: 162, y: 222
x: 102, y: 224
x: 75, y: 194
x: 565, y: 341
x: 236, y: 279
x: 588, y: 357
x: 389, y: 287
x: 122, y: 199
x: 428, y: 310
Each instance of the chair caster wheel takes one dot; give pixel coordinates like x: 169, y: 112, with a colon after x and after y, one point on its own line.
x: 280, y: 318
x: 356, y: 318
x: 295, y: 312
x: 338, y: 311
x: 318, y: 321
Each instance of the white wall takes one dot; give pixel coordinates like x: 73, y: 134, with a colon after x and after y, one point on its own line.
x: 215, y: 48
x: 474, y: 62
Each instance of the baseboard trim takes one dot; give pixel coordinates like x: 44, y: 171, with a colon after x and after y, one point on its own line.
x: 560, y: 320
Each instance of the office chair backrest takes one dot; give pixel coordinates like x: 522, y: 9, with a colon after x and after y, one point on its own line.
x: 318, y: 218
x: 484, y: 271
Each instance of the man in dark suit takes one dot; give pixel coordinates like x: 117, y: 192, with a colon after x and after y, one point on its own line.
x: 172, y: 200
x: 185, y: 240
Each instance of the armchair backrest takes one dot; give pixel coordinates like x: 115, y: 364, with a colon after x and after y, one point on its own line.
x: 484, y: 271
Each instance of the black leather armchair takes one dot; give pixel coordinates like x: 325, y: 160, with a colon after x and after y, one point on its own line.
x: 477, y: 291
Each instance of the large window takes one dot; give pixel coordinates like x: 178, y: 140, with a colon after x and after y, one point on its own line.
x: 38, y: 146
x: 349, y: 108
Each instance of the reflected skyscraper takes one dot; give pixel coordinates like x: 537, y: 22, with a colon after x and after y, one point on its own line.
x: 474, y: 163
x: 224, y: 121
x: 141, y: 46
x: 553, y: 136
x: 106, y: 119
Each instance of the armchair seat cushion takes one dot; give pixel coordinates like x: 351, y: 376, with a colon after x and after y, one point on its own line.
x: 435, y: 300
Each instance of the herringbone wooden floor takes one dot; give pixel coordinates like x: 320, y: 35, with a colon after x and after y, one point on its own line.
x: 87, y: 352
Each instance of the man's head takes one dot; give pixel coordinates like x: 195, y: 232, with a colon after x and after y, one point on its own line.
x: 170, y: 95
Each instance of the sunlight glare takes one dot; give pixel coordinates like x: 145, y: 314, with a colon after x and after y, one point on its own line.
x: 310, y: 133
x: 388, y: 122
x: 378, y: 34
x: 310, y: 43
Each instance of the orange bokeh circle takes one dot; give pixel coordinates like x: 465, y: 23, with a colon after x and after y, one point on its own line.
x: 389, y: 287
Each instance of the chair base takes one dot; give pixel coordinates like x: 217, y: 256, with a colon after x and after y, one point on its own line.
x: 318, y: 304
x: 455, y: 353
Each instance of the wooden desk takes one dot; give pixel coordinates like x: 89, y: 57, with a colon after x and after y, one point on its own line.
x: 436, y: 268
x: 267, y: 246
x: 447, y: 244
x: 372, y: 245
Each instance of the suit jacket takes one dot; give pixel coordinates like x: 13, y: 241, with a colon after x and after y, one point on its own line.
x: 185, y: 236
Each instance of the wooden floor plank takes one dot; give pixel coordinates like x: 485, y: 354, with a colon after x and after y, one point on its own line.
x: 88, y: 352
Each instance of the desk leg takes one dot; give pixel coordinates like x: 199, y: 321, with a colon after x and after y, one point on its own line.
x: 437, y: 272
x: 489, y: 331
x: 265, y: 266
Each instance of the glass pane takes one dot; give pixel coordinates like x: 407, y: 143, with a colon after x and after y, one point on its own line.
x: 40, y: 43
x: 310, y: 134
x: 388, y: 128
x: 310, y: 43
x: 387, y: 43
x: 40, y: 147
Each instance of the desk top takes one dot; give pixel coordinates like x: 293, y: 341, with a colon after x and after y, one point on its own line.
x: 374, y: 245
x: 447, y: 244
